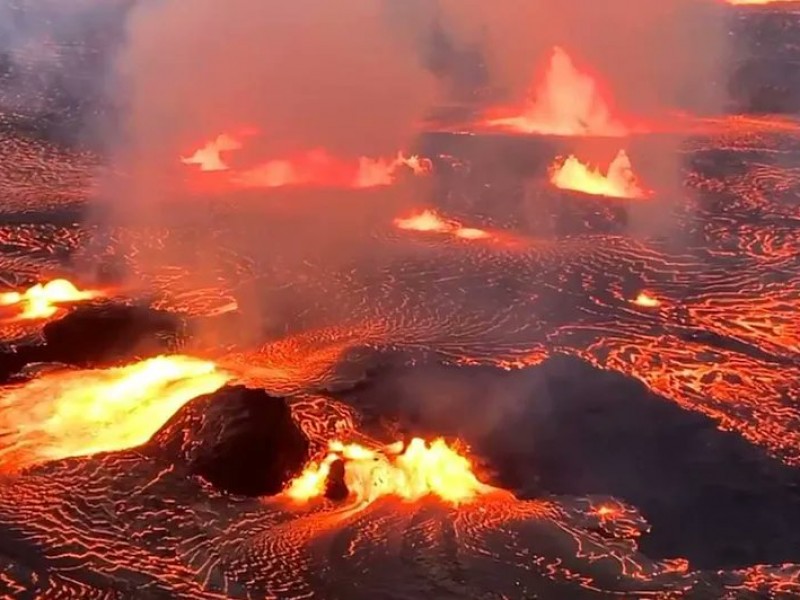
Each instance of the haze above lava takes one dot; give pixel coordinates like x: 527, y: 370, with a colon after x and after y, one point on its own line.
x: 348, y: 343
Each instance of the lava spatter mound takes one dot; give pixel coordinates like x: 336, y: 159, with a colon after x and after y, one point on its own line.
x: 242, y: 441
x: 567, y: 427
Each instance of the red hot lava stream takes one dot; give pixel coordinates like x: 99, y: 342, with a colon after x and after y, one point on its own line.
x: 81, y: 412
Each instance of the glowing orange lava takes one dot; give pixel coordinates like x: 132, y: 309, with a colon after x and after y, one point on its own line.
x: 619, y: 182
x: 77, y: 413
x: 428, y: 221
x: 209, y: 158
x: 41, y: 301
x: 759, y: 2
x: 313, y: 168
x: 566, y: 102
x: 646, y: 300
x: 319, y: 169
x: 420, y: 469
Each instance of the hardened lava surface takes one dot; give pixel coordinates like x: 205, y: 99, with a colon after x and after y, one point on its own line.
x: 708, y: 372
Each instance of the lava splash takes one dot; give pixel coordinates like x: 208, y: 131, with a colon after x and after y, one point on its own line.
x: 411, y: 472
x: 71, y: 413
x: 618, y: 182
x: 566, y: 102
x: 317, y: 168
x: 428, y: 221
x: 42, y: 301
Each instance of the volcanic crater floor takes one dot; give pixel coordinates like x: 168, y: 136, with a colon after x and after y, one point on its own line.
x: 625, y: 373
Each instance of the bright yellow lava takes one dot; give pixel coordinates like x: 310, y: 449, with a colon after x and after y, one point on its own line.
x: 420, y: 469
x: 82, y: 412
x: 41, y: 300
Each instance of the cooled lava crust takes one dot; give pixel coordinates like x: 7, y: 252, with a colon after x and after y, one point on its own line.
x: 686, y: 412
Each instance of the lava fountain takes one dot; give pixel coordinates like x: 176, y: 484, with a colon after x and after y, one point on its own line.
x: 311, y: 168
x: 42, y: 301
x: 409, y: 472
x: 428, y: 221
x: 71, y: 413
x: 209, y: 157
x: 618, y: 182
x: 565, y: 102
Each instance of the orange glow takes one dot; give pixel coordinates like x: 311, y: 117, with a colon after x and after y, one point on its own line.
x: 420, y: 469
x: 566, y: 102
x: 313, y: 168
x: 619, y: 182
x: 41, y: 301
x: 209, y: 158
x: 428, y: 221
x: 646, y: 300
x: 82, y: 412
x: 759, y: 2
x: 606, y: 511
x: 318, y: 168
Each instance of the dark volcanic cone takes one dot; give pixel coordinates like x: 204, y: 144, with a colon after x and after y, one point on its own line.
x: 98, y: 334
x: 240, y: 440
x: 94, y: 335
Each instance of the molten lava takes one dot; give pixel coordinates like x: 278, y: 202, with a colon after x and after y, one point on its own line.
x: 420, y: 469
x: 209, y: 158
x: 428, y: 221
x: 313, y: 168
x: 566, y: 102
x: 319, y: 169
x: 645, y: 300
x: 41, y: 301
x: 77, y: 413
x: 619, y: 182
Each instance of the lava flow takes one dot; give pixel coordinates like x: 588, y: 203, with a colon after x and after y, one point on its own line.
x: 411, y: 472
x: 566, y: 102
x: 619, y: 182
x: 428, y: 221
x: 71, y: 413
x: 42, y: 300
